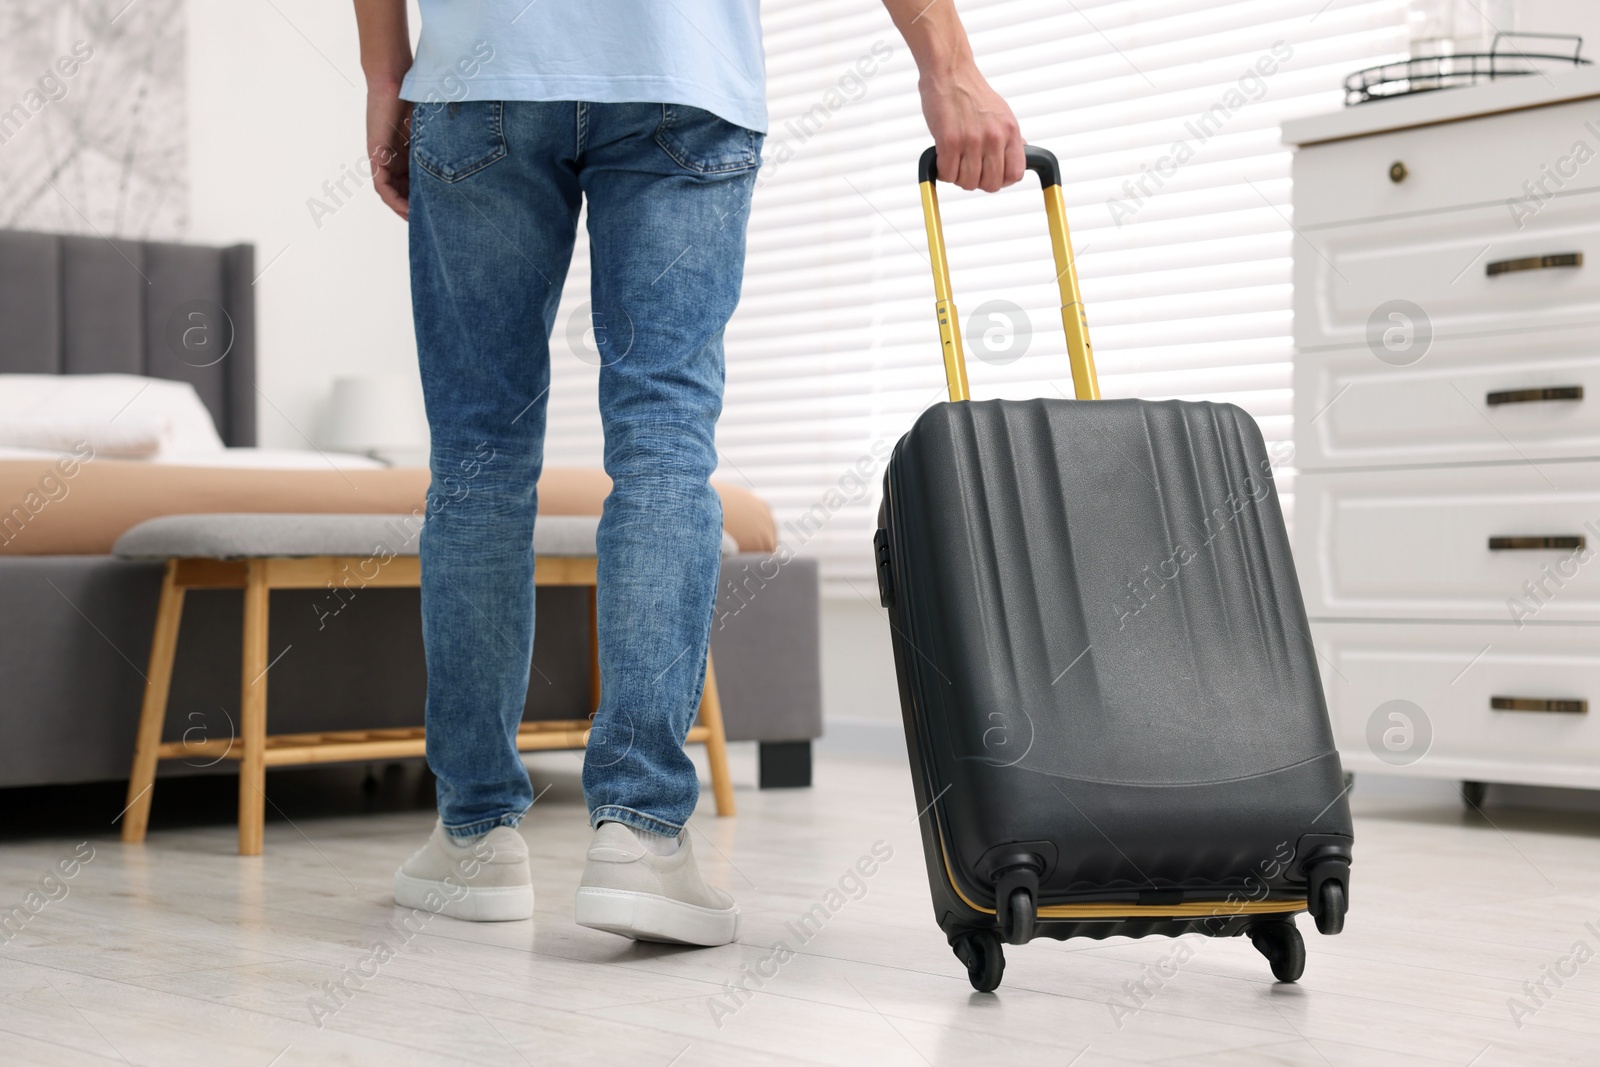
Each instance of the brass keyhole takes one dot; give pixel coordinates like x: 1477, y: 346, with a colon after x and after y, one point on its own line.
x: 1397, y: 172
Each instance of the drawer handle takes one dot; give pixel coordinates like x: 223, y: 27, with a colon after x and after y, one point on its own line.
x: 1538, y: 543
x: 1563, y: 707
x: 1559, y: 259
x: 1535, y: 396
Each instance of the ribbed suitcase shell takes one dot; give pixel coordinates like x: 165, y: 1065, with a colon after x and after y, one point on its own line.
x: 1103, y: 652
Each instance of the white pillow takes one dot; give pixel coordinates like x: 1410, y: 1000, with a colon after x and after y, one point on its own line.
x: 130, y: 436
x: 102, y: 398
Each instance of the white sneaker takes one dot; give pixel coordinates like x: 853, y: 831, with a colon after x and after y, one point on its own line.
x: 629, y: 890
x: 486, y: 881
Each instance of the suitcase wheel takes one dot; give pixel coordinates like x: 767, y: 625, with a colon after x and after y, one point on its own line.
x: 984, y: 956
x: 1016, y: 888
x: 1329, y: 907
x: 1328, y: 892
x: 1019, y: 920
x: 1285, y: 950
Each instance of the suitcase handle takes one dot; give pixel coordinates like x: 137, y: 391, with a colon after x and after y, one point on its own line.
x: 1080, y: 353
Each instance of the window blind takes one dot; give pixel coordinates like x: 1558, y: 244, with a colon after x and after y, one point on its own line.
x: 1165, y: 115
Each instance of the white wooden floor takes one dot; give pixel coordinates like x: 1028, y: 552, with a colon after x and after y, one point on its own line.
x: 180, y: 952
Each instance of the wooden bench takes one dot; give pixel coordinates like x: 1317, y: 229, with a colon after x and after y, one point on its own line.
x: 260, y: 553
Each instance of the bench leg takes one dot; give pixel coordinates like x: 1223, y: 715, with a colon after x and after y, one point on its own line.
x: 717, y: 743
x: 253, y: 711
x: 153, y: 713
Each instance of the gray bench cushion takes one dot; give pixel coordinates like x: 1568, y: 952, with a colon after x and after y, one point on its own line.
x: 264, y: 535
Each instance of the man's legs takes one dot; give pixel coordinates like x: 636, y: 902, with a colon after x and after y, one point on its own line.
x: 669, y: 194
x: 494, y: 205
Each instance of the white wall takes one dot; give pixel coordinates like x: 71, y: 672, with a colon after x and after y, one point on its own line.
x: 276, y: 106
x: 1563, y: 16
x: 860, y: 695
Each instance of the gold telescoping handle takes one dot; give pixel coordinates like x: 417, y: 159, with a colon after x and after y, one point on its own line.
x: 1085, y: 385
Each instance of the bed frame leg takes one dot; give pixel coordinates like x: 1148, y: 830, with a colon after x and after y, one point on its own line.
x: 785, y: 764
x: 253, y: 711
x: 153, y: 712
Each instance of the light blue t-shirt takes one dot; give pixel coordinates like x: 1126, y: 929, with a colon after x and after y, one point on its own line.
x: 705, y: 53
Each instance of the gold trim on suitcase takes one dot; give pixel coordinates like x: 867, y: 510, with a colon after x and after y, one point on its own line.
x: 1198, y: 909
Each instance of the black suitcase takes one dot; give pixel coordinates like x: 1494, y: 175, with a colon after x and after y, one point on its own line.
x: 1111, y: 699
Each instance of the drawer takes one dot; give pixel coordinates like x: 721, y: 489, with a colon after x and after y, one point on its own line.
x: 1446, y: 165
x: 1448, y: 678
x: 1353, y: 410
x: 1346, y: 280
x: 1415, y: 544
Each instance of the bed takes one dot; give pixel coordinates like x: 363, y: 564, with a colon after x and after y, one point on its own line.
x: 76, y: 622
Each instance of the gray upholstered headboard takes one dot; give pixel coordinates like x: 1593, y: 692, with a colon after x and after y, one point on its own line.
x: 89, y: 305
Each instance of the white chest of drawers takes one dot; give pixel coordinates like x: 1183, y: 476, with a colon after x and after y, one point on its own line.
x: 1447, y: 427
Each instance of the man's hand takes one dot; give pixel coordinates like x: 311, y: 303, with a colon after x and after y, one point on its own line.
x: 388, y: 145
x: 979, y: 143
x: 385, y: 58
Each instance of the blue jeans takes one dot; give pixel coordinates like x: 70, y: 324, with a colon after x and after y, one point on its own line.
x: 495, y: 192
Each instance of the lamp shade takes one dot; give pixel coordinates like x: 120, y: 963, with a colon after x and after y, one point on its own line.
x: 375, y: 414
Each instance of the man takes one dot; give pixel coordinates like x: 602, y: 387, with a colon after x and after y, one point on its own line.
x: 510, y: 116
